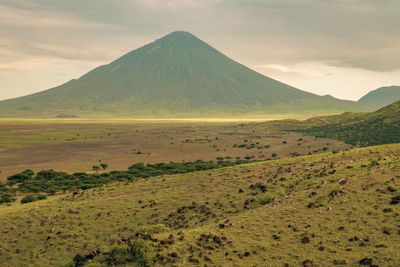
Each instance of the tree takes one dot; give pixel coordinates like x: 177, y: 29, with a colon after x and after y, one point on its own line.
x: 104, y: 166
x: 17, y: 178
x: 96, y: 168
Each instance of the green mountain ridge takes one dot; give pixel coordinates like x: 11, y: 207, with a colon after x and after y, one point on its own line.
x: 381, y: 97
x: 177, y: 74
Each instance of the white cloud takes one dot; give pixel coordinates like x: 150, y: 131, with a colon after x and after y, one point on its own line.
x: 294, y: 71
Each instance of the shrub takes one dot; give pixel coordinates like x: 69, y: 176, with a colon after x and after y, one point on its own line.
x: 266, y: 199
x: 41, y: 197
x: 373, y: 163
x: 6, y: 198
x: 18, y: 178
x: 139, y: 253
x: 28, y: 199
x: 136, y: 252
x: 30, y: 173
x: 117, y: 255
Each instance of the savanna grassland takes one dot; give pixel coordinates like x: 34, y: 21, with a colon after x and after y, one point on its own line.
x: 339, y: 208
x: 75, y: 145
x: 193, y: 193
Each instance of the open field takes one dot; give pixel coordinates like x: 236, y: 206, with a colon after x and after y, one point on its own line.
x: 319, y: 210
x: 77, y: 144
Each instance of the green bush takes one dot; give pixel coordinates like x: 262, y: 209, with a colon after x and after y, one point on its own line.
x: 117, y: 255
x: 6, y: 198
x: 136, y: 252
x: 266, y: 199
x: 139, y: 252
x: 41, y: 197
x: 28, y: 199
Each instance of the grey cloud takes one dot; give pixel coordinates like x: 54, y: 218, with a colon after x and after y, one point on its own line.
x: 352, y: 33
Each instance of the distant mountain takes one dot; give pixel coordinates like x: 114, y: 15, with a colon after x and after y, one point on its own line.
x: 364, y: 129
x: 177, y: 75
x: 381, y: 97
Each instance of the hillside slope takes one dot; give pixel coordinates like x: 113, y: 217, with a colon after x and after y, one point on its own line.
x: 324, y: 210
x: 176, y: 75
x: 381, y: 97
x: 379, y: 127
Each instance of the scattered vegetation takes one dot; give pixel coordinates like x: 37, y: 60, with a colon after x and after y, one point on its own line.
x: 51, y: 181
x: 288, y: 211
x: 376, y: 128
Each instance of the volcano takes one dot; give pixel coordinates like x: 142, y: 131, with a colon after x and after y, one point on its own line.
x: 177, y: 75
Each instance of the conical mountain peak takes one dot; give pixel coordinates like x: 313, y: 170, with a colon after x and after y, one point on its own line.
x: 179, y: 34
x: 176, y: 74
x: 181, y: 40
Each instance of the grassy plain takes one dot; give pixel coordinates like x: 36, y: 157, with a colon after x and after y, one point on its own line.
x: 316, y: 203
x: 78, y: 144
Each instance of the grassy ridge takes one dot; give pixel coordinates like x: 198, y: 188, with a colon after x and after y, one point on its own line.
x: 361, y: 129
x: 323, y: 209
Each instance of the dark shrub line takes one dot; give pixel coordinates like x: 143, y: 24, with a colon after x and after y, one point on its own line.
x: 51, y: 182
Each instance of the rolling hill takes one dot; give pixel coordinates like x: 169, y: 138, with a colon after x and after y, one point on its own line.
x: 381, y: 97
x: 177, y: 75
x: 320, y: 210
x: 364, y: 129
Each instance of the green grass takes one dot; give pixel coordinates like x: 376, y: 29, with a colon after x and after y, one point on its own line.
x: 253, y: 214
x: 358, y: 129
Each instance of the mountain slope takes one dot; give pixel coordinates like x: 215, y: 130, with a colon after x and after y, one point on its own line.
x: 374, y: 128
x: 178, y: 73
x: 381, y: 97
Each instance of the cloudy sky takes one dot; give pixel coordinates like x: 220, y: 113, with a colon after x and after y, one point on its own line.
x: 344, y: 48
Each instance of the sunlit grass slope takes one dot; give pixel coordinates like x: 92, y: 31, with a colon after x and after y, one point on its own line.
x: 379, y: 127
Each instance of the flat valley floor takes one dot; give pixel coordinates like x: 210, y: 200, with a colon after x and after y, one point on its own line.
x: 75, y: 145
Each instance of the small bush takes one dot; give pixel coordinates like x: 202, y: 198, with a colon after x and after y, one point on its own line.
x: 134, y: 253
x: 6, y: 198
x: 118, y: 255
x: 373, y: 163
x: 28, y: 199
x: 266, y: 199
x: 41, y: 197
x: 139, y: 253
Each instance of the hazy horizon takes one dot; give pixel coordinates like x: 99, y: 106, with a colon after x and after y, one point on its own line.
x: 302, y: 43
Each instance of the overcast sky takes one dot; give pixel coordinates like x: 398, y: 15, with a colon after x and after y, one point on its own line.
x: 344, y: 48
